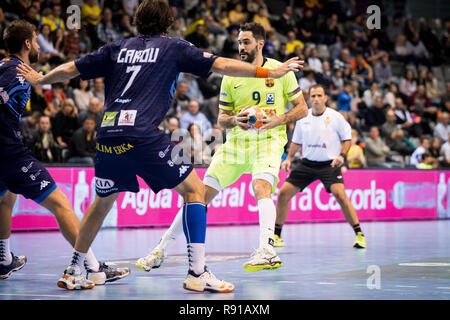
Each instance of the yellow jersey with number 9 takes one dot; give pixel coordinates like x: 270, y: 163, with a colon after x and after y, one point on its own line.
x: 268, y: 94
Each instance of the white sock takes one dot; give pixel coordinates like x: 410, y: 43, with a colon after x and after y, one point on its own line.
x: 91, y: 261
x: 196, y: 255
x: 78, y: 258
x: 175, y: 230
x: 267, y: 217
x: 5, y: 252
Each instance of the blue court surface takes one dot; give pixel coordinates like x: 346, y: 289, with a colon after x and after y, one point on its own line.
x: 403, y: 261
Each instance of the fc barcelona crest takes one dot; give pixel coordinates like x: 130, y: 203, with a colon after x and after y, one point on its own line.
x: 270, y: 83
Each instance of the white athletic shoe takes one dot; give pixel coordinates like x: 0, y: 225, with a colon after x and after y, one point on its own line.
x: 152, y: 261
x: 263, y: 259
x: 73, y: 279
x: 206, y: 282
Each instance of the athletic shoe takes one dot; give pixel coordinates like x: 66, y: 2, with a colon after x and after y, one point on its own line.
x: 278, y: 241
x: 263, y: 259
x: 360, y: 241
x: 206, y: 282
x: 152, y: 261
x: 106, y: 273
x: 73, y: 279
x: 16, y: 264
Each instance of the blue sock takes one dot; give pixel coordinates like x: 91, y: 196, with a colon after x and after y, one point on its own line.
x: 194, y: 222
x: 194, y: 227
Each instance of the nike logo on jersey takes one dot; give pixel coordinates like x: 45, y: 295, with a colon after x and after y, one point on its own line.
x: 237, y: 86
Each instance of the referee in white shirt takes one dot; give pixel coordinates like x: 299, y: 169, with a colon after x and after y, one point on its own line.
x: 324, y: 137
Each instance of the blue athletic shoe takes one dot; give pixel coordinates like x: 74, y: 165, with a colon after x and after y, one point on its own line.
x: 17, y: 263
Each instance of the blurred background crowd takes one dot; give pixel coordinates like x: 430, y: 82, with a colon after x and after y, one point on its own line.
x: 392, y: 84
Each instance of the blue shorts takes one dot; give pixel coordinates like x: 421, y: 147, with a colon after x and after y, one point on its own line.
x: 118, y: 162
x: 22, y: 173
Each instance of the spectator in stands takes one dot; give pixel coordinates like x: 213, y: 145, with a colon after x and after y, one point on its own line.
x: 391, y: 95
x: 432, y: 88
x: 231, y: 46
x: 401, y: 50
x: 395, y: 28
x: 286, y: 22
x: 193, y: 115
x: 173, y: 124
x: 180, y: 100
x: 125, y: 27
x: 71, y: 43
x: 377, y: 150
x: 198, y: 145
x: 90, y: 17
x: 408, y: 84
x: 344, y: 60
x: 194, y: 91
x: 420, y: 55
x: 430, y: 42
x: 237, y: 16
x: 442, y: 129
x: 373, y: 54
x: 358, y: 31
x: 344, y: 98
x: 435, y: 149
x: 361, y: 70
x: 404, y: 119
x: 82, y: 94
x: 43, y: 145
x: 57, y: 21
x: 427, y: 162
x: 282, y: 52
x: 129, y: 7
x: 54, y: 98
x: 292, y: 42
x: 382, y: 71
x: 329, y: 30
x: 270, y: 49
x: 28, y: 127
x: 420, y: 106
x: 94, y: 110
x: 375, y: 115
x: 395, y: 136
x: 445, y: 153
x: 355, y: 155
x: 198, y: 37
x: 307, y: 27
x: 82, y: 144
x: 65, y: 123
x: 106, y: 30
x: 371, y: 94
x: 45, y: 42
x: 261, y: 18
x: 31, y: 14
x: 314, y: 61
x: 445, y: 101
x: 420, y: 150
x: 176, y: 30
x: 99, y: 89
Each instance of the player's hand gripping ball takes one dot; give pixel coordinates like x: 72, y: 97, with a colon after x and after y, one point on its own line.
x: 256, y: 118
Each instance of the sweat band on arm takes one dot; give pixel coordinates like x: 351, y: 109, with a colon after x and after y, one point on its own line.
x: 262, y: 72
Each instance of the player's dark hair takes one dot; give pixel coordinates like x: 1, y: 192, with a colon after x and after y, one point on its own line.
x: 153, y: 17
x: 317, y: 86
x: 16, y: 33
x: 258, y: 30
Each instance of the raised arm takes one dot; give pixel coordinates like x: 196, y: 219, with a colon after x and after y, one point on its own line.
x: 61, y: 73
x: 236, y: 68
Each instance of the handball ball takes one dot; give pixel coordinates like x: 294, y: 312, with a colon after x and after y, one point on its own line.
x: 255, y: 118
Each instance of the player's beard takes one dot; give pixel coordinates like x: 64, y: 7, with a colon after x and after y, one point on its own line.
x: 250, y: 56
x: 33, y: 56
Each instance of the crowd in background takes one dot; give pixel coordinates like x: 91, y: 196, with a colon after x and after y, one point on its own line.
x: 392, y: 84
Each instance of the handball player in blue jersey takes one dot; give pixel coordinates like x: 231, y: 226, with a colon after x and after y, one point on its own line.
x: 140, y: 79
x: 20, y: 171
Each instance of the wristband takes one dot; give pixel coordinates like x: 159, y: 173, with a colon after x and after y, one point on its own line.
x: 262, y: 72
x: 343, y: 155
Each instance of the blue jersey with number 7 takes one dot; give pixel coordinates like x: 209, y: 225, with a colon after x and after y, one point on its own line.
x: 140, y: 79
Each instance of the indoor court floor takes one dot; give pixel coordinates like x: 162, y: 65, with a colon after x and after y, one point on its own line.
x: 403, y: 261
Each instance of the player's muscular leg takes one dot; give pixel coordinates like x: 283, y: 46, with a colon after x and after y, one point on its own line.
x: 338, y: 191
x: 6, y: 206
x: 92, y: 221
x: 288, y: 190
x: 58, y: 204
x: 192, y: 188
x: 262, y: 189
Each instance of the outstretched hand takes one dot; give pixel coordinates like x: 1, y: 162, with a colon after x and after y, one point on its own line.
x: 293, y: 64
x: 29, y: 74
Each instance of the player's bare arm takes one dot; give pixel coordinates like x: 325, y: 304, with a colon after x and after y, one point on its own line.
x: 293, y: 148
x: 340, y: 160
x: 61, y: 73
x: 300, y: 110
x: 228, y: 120
x: 236, y: 68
